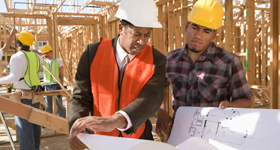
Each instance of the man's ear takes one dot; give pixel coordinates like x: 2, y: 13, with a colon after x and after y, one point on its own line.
x: 121, y: 28
x: 187, y: 25
x: 214, y: 34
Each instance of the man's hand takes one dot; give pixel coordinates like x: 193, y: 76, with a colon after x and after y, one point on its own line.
x: 98, y: 124
x: 164, y: 123
x: 14, y: 31
x: 224, y: 104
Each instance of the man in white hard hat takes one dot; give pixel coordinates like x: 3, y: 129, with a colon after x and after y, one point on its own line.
x: 201, y: 73
x: 120, y: 81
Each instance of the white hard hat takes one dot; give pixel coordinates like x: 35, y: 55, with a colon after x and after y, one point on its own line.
x: 140, y: 13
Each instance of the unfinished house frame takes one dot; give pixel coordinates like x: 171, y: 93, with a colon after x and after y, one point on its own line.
x: 250, y: 30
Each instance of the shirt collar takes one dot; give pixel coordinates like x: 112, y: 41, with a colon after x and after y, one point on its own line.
x: 121, y: 53
x: 209, y: 53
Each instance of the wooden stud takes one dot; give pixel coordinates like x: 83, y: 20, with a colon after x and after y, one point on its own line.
x: 250, y: 36
x: 274, y: 76
x: 229, y: 26
x: 170, y: 27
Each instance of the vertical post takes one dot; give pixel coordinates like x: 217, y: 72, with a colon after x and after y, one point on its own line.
x: 250, y: 36
x: 274, y: 54
x: 184, y: 15
x: 54, y: 107
x: 170, y: 26
x: 178, y: 41
x: 229, y: 25
x: 160, y: 30
x: 263, y: 50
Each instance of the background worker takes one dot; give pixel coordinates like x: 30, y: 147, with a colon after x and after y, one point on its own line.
x: 120, y: 97
x: 201, y: 73
x: 24, y: 67
x: 7, y: 45
x: 56, y: 66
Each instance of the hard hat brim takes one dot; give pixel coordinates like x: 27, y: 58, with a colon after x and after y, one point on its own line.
x: 154, y: 24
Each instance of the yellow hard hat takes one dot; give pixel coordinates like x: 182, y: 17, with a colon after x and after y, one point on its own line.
x: 25, y: 37
x: 207, y: 13
x: 46, y: 48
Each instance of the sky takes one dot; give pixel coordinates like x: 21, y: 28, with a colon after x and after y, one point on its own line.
x: 23, y: 6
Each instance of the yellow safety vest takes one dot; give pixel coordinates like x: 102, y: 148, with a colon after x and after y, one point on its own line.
x: 31, y: 77
x: 54, y: 69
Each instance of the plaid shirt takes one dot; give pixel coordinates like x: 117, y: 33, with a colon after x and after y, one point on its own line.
x: 217, y: 75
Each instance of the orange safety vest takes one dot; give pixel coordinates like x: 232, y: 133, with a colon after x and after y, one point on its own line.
x: 104, y: 75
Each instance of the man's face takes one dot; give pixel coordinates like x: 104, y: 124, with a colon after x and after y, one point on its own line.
x: 48, y: 55
x: 133, y: 40
x: 18, y: 44
x: 199, y: 37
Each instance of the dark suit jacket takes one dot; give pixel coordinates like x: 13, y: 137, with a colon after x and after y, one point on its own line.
x: 139, y: 111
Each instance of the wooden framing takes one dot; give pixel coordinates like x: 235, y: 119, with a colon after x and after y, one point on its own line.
x: 250, y: 31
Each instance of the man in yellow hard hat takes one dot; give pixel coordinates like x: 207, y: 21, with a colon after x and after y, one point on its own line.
x: 56, y: 66
x: 24, y: 67
x: 201, y: 73
x: 120, y: 81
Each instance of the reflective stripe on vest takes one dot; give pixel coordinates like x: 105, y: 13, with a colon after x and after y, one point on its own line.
x: 104, y: 75
x: 31, y: 77
x: 54, y: 69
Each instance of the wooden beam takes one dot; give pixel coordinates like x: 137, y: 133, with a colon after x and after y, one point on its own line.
x: 75, y: 22
x: 100, y: 3
x: 178, y: 26
x: 24, y: 15
x: 84, y: 6
x: 10, y: 124
x: 229, y: 25
x: 162, y: 2
x: 263, y: 49
x: 41, y: 5
x: 6, y: 4
x: 78, y: 14
x: 20, y: 10
x: 33, y: 5
x: 170, y: 26
x: 184, y: 16
x: 262, y: 31
x: 32, y: 114
x: 250, y: 36
x: 6, y: 21
x: 57, y: 8
x: 274, y: 85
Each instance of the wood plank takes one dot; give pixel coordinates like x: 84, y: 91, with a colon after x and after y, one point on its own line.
x: 75, y: 22
x: 49, y: 120
x: 162, y: 2
x: 100, y: 3
x: 229, y: 25
x: 10, y: 124
x: 274, y: 85
x: 250, y: 36
x: 160, y: 30
x: 24, y: 15
x: 178, y: 39
x: 170, y: 27
x: 263, y: 50
x: 184, y: 15
x: 58, y: 7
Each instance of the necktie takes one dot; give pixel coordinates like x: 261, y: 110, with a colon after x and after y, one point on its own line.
x: 126, y: 59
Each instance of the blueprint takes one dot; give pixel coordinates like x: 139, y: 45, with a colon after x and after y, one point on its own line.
x: 230, y: 129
